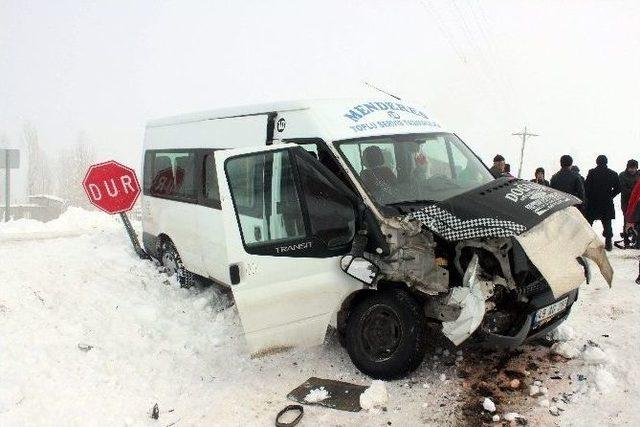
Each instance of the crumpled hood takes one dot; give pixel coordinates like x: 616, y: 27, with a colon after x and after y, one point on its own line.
x: 505, y: 207
x: 554, y: 245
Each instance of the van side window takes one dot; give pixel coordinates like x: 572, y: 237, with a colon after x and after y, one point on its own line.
x: 210, y: 188
x: 172, y: 174
x: 331, y: 213
x: 265, y: 195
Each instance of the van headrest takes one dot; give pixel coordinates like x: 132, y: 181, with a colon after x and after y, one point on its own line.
x: 372, y: 157
x: 163, y: 163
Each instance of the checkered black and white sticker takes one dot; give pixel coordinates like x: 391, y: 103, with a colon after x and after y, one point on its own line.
x: 452, y: 228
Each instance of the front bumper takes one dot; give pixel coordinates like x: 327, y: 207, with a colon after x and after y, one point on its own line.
x: 527, y: 330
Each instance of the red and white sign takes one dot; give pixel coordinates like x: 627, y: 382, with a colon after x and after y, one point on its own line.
x: 111, y: 187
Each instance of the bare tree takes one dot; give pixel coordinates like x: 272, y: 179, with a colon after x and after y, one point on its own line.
x: 39, y: 176
x: 73, y: 163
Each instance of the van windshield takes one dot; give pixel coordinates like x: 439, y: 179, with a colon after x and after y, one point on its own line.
x: 414, y: 168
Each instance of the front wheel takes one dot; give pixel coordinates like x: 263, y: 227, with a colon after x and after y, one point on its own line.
x: 171, y: 261
x: 385, y: 334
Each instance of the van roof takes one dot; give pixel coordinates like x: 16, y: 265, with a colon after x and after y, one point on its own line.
x: 341, y: 118
x: 238, y: 111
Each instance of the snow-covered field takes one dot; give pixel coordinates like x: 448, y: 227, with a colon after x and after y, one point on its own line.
x: 91, y: 335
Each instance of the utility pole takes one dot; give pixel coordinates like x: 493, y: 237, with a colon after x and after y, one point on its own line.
x: 524, y: 134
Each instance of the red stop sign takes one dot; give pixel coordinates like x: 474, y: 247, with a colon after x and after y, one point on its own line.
x: 112, y: 187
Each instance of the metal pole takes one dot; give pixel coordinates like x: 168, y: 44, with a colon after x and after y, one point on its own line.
x: 524, y: 141
x: 524, y: 136
x: 133, y: 236
x: 6, y: 186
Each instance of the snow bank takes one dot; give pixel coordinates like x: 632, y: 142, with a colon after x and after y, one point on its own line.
x: 375, y: 397
x: 74, y: 221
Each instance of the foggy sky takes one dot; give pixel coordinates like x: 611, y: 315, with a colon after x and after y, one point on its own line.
x: 568, y: 70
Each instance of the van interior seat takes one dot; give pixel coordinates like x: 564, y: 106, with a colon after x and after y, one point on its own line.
x: 184, y: 175
x: 163, y: 181
x: 376, y: 176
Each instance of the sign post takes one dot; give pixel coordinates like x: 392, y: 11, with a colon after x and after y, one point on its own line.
x: 114, y: 189
x: 9, y: 159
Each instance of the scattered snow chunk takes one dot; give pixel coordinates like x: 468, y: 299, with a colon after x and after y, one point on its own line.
x: 566, y: 350
x: 544, y: 390
x: 511, y: 416
x: 562, y: 333
x: 317, y: 395
x: 443, y: 377
x: 605, y: 382
x: 375, y: 397
x: 488, y: 405
x: 594, y: 355
x: 459, y: 352
x: 544, y: 402
x: 538, y: 383
x: 534, y: 390
x: 495, y: 418
x: 445, y: 353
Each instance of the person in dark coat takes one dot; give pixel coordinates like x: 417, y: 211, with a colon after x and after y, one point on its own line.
x: 498, y: 166
x: 601, y: 186
x: 567, y: 181
x: 539, y: 177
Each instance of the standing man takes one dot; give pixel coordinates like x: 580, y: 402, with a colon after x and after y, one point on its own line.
x: 628, y: 180
x: 498, y: 166
x: 601, y: 186
x: 539, y: 177
x: 567, y: 181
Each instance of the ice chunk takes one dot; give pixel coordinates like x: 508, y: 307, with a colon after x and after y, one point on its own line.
x: 511, y: 416
x: 375, y: 397
x: 562, y: 333
x: 488, y: 405
x: 316, y: 395
x: 565, y: 349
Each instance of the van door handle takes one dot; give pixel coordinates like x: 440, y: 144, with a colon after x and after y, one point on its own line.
x: 234, y: 274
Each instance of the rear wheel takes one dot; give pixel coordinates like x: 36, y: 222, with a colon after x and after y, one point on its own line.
x: 171, y: 261
x: 385, y: 334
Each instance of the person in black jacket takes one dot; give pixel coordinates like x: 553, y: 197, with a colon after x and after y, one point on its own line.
x: 567, y: 181
x: 539, y: 177
x: 601, y: 186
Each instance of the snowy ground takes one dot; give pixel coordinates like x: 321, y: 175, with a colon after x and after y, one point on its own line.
x: 91, y: 335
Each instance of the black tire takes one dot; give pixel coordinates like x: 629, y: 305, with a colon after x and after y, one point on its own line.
x: 171, y: 261
x: 386, y: 334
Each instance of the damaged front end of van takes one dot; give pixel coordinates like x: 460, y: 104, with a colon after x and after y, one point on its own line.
x: 502, y: 262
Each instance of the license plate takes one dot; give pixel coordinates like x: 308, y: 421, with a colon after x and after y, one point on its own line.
x: 546, y: 313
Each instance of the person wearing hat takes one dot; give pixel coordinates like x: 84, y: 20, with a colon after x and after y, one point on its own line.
x: 628, y: 179
x: 601, y: 186
x: 498, y: 166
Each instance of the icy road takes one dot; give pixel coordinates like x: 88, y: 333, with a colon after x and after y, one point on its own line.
x: 91, y: 335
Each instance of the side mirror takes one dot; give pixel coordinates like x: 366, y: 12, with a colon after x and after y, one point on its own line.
x: 359, y: 268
